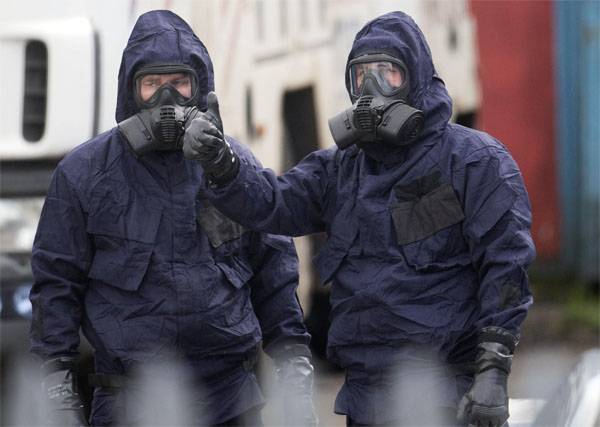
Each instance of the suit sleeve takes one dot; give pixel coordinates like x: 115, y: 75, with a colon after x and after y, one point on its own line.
x: 497, y: 226
x: 291, y: 204
x: 274, y: 296
x: 60, y: 260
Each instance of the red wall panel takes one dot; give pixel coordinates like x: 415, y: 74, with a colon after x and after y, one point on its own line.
x: 516, y: 67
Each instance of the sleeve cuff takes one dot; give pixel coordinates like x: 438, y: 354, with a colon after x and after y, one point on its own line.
x: 499, y: 335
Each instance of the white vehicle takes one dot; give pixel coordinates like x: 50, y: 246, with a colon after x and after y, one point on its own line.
x: 279, y: 68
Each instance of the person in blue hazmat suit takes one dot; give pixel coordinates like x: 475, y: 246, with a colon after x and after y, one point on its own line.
x: 428, y: 227
x: 126, y: 252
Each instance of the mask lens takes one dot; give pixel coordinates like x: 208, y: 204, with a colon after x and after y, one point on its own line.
x: 149, y: 82
x: 388, y: 75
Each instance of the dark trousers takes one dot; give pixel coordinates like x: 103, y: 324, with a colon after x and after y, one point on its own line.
x: 250, y: 418
x: 443, y: 417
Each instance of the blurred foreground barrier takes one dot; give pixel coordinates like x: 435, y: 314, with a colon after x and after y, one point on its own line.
x: 577, y: 401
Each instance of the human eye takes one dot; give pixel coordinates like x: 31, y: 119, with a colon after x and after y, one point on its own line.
x: 384, y: 67
x: 150, y: 82
x: 184, y: 81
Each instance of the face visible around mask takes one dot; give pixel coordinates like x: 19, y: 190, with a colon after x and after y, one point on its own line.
x: 166, y: 95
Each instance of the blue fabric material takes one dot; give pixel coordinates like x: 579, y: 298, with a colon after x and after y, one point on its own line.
x: 428, y: 295
x: 120, y: 252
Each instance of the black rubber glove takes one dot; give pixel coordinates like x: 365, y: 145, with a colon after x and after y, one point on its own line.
x: 295, y: 380
x: 205, y: 142
x: 486, y: 403
x: 60, y: 386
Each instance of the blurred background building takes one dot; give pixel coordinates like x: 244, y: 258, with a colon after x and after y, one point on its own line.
x: 527, y: 72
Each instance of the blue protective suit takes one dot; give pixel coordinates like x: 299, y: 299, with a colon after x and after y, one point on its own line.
x: 427, y: 243
x: 126, y: 251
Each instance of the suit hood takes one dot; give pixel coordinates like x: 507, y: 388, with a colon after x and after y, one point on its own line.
x: 396, y: 34
x: 161, y: 37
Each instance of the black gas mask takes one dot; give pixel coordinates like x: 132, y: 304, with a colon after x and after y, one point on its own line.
x: 379, y: 89
x: 166, y: 96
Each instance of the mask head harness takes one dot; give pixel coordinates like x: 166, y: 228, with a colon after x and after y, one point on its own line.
x: 379, y: 88
x: 166, y: 95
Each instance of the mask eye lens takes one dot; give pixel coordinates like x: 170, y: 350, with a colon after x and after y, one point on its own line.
x: 183, y: 84
x: 147, y: 84
x: 388, y: 75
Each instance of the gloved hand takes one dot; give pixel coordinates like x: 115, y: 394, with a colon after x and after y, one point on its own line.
x: 295, y: 379
x: 486, y: 403
x: 60, y: 386
x: 205, y: 142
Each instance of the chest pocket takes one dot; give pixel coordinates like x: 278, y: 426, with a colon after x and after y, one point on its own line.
x: 217, y: 226
x: 222, y: 233
x: 427, y: 219
x: 237, y: 270
x: 124, y: 236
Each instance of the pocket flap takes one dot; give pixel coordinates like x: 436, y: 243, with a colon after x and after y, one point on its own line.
x: 217, y: 226
x: 237, y: 271
x: 420, y: 218
x: 123, y: 252
x: 124, y: 266
x: 134, y: 222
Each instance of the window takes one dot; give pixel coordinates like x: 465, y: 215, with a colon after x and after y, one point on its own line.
x: 36, y: 79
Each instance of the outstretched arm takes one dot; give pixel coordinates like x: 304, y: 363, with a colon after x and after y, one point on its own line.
x: 292, y: 204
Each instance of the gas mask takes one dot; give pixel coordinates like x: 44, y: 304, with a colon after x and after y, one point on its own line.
x: 379, y: 88
x: 166, y: 96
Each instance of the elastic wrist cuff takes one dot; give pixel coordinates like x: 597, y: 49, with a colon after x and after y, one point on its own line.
x: 218, y: 181
x: 499, y: 335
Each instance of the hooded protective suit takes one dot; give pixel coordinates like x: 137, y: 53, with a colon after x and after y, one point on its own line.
x: 126, y: 251
x: 427, y: 243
